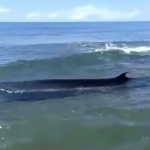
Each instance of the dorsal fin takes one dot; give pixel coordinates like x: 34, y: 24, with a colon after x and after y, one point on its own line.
x: 122, y: 77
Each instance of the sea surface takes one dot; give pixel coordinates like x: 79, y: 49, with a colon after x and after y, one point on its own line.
x: 117, y: 120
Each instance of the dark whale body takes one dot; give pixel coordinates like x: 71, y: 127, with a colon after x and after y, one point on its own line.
x: 54, y: 88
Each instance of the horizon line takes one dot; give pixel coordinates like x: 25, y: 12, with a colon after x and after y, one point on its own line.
x: 72, y: 21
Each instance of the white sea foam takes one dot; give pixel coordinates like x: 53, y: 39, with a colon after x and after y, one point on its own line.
x: 129, y: 49
x: 7, y: 91
x: 12, y: 91
x: 122, y: 47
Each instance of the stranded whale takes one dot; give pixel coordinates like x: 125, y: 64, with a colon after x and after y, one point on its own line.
x: 55, y: 88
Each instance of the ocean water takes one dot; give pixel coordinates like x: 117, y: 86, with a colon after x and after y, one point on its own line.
x: 117, y: 120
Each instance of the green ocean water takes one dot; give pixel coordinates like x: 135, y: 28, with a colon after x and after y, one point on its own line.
x: 116, y: 120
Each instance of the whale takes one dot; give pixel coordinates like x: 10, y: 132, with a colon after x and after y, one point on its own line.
x: 55, y: 88
x: 64, y: 83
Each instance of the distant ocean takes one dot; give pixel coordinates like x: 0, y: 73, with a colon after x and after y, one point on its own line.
x: 115, y: 121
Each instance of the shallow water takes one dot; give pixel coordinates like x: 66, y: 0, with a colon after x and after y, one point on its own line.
x: 114, y: 120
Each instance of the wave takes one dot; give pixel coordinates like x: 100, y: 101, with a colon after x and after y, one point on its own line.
x: 76, y: 65
x: 85, y: 47
x: 126, y: 47
x: 56, y: 56
x: 71, y: 59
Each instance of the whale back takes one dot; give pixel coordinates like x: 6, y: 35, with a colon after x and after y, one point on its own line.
x: 65, y: 83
